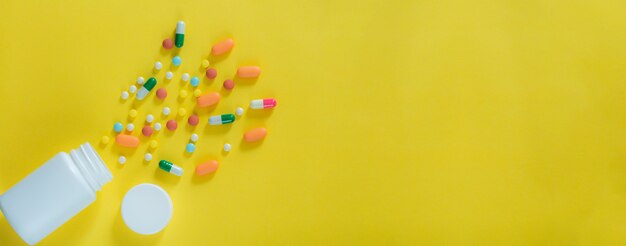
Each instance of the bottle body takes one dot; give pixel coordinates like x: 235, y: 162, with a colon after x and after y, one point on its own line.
x: 54, y: 193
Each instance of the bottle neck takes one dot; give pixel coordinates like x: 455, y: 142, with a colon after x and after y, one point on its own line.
x: 91, y: 166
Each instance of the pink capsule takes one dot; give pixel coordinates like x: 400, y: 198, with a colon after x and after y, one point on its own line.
x: 263, y: 103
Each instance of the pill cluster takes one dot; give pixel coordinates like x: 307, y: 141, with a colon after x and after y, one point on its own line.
x: 143, y: 87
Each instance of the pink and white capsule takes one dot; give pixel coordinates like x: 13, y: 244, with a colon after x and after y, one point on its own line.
x: 263, y: 103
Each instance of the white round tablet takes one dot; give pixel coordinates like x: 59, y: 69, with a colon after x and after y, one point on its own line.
x: 147, y: 209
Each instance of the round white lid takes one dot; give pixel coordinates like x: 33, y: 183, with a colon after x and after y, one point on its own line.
x: 146, y: 209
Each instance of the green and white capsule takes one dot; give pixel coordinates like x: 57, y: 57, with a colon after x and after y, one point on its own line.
x: 146, y: 88
x: 170, y: 168
x: 179, y: 39
x: 221, y: 119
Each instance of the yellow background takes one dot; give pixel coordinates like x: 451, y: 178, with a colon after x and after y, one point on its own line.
x: 399, y: 122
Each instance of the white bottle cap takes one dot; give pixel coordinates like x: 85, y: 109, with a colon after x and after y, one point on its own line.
x: 146, y: 209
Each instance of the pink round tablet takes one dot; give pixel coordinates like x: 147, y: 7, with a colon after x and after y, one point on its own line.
x: 211, y: 73
x: 161, y: 93
x: 168, y: 43
x: 147, y: 131
x: 193, y: 120
x: 171, y: 125
x: 229, y: 84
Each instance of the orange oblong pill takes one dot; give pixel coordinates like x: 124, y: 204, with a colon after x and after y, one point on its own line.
x: 249, y: 72
x: 222, y: 47
x: 207, y: 100
x: 255, y: 134
x: 127, y: 141
x: 207, y: 167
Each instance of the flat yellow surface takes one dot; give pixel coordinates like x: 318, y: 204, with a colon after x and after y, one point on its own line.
x: 399, y: 123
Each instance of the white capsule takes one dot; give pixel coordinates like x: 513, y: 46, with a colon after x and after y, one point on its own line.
x: 169, y: 75
x: 157, y: 126
x: 149, y: 118
x: 180, y: 27
x: 132, y: 89
x: 147, y: 157
x: 124, y: 95
x: 141, y: 80
x: 185, y: 76
x: 194, y: 137
x: 227, y: 147
x: 130, y: 127
x: 166, y: 111
x: 176, y: 170
x: 239, y: 111
x: 158, y: 65
x: 122, y: 159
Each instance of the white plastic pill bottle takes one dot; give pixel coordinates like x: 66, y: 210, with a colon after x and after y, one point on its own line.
x: 54, y: 193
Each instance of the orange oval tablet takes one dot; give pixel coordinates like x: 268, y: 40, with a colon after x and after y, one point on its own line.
x: 207, y: 167
x: 207, y: 100
x: 255, y: 134
x: 222, y: 47
x: 248, y: 72
x: 127, y: 141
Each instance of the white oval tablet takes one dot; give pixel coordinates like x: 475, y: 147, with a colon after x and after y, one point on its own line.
x: 146, y: 209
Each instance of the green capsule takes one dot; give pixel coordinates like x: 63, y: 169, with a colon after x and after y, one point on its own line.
x: 221, y: 119
x: 170, y: 168
x: 179, y: 39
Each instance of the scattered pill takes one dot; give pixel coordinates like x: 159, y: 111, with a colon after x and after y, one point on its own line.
x: 161, y: 93
x: 211, y: 73
x: 130, y: 127
x: 207, y: 100
x: 118, y: 127
x: 132, y: 89
x: 168, y: 43
x: 197, y: 92
x: 147, y: 131
x: 169, y: 75
x: 248, y: 72
x: 180, y: 34
x: 229, y: 84
x: 263, y: 103
x: 154, y: 144
x: 193, y: 120
x: 222, y: 47
x: 140, y: 80
x: 105, y: 140
x: 182, y: 93
x: 149, y: 118
x: 166, y: 111
x: 176, y: 61
x: 171, y: 125
x: 147, y: 157
x: 207, y: 167
x: 127, y: 140
x: 190, y: 148
x: 227, y: 147
x: 239, y: 111
x: 124, y: 95
x: 221, y: 119
x: 205, y: 63
x: 146, y: 88
x: 158, y: 65
x: 170, y: 168
x: 157, y: 126
x: 194, y: 137
x: 182, y: 112
x: 255, y: 134
x: 121, y: 159
x: 185, y: 77
x: 132, y: 113
x: 195, y: 81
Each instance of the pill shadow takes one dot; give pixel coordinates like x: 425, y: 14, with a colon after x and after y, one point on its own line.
x: 259, y: 113
x: 196, y: 179
x: 166, y: 177
x: 224, y: 92
x: 124, y: 236
x: 245, y: 81
x: 217, y: 59
x: 217, y: 130
x: 246, y: 146
x: 158, y: 101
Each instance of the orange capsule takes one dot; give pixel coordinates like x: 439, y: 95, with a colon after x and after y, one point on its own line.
x: 248, y: 72
x: 207, y: 100
x: 222, y: 47
x: 127, y: 141
x: 207, y: 167
x: 255, y: 134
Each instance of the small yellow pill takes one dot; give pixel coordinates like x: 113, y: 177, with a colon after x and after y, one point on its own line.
x: 132, y: 113
x: 154, y: 144
x: 182, y: 93
x: 105, y: 139
x: 205, y: 63
x: 197, y: 92
x: 182, y: 112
